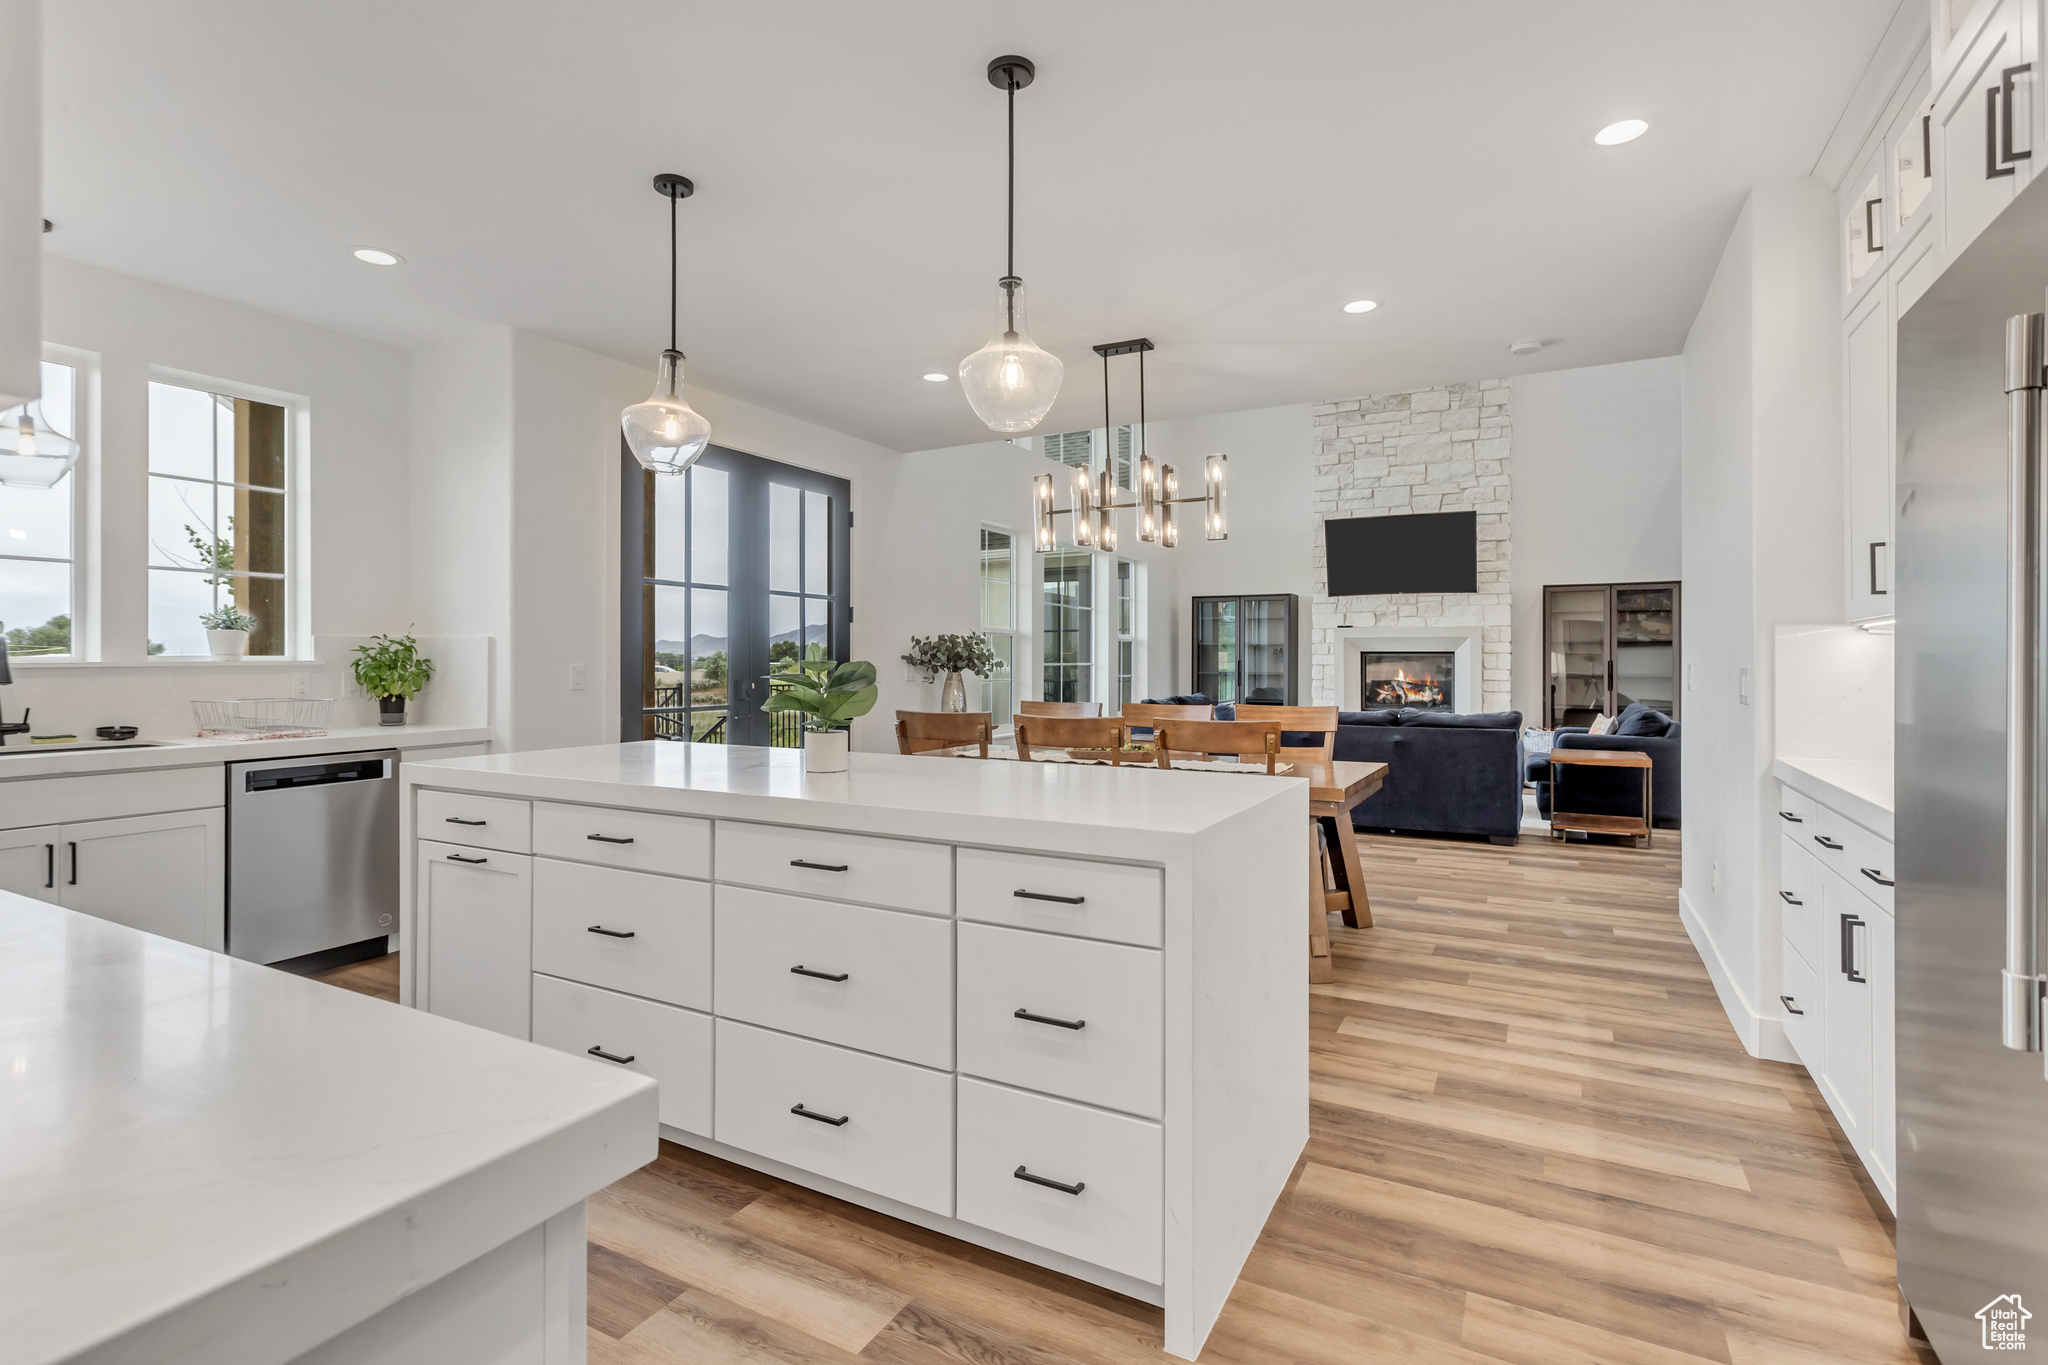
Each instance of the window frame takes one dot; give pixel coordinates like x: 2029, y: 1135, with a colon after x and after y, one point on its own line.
x: 1010, y: 634
x: 85, y: 369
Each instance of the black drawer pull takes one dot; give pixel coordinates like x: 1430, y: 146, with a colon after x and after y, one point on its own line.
x: 73, y: 844
x: 804, y: 1113
x: 1850, y: 924
x: 1826, y: 842
x: 801, y: 970
x: 1872, y: 873
x: 458, y: 858
x: 1042, y: 896
x: 607, y: 839
x: 1790, y: 1008
x: 1788, y: 815
x: 458, y: 820
x: 818, y: 867
x: 1048, y: 1019
x: 50, y: 873
x: 600, y: 1052
x: 1789, y: 898
x: 1075, y: 1188
x: 610, y: 933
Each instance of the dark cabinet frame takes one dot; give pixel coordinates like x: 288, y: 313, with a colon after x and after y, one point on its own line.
x: 1611, y: 645
x: 1292, y: 663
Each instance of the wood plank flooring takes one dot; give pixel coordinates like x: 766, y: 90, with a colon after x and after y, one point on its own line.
x: 376, y: 976
x: 1534, y: 1140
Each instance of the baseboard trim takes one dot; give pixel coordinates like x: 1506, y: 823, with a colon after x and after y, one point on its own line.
x: 1760, y: 1035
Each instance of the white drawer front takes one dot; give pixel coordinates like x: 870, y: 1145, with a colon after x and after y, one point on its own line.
x: 1827, y: 838
x: 897, y: 995
x: 1114, y: 1221
x: 671, y: 1045
x: 1799, y: 911
x: 1061, y: 895
x: 851, y: 867
x: 1112, y: 992
x: 1867, y: 863
x: 1795, y: 810
x: 647, y: 841
x: 479, y: 821
x: 890, y: 1127
x: 1799, y: 997
x: 627, y: 931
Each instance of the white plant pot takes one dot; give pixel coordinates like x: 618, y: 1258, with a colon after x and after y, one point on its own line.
x: 228, y: 644
x: 824, y: 751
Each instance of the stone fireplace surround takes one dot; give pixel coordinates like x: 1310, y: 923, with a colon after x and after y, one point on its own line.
x: 1466, y: 642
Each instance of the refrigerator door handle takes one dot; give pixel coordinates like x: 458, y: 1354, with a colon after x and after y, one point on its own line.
x: 2021, y: 982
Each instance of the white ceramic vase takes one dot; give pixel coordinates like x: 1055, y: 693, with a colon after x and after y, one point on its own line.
x: 953, y: 696
x: 824, y: 751
x: 227, y: 644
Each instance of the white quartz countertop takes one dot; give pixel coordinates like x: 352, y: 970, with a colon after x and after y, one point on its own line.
x: 19, y: 759
x: 1066, y: 807
x: 204, y: 1160
x: 1859, y: 788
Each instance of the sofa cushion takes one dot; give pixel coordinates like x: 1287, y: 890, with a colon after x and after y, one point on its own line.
x: 1451, y: 720
x: 1388, y: 716
x: 1639, y: 719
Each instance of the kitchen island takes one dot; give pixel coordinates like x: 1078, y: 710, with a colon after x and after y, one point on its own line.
x: 207, y: 1162
x: 1053, y: 1010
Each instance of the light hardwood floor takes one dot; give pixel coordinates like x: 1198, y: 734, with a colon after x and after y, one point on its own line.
x: 1533, y: 1140
x: 376, y: 976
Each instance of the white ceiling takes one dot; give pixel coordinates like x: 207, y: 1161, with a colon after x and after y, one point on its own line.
x: 1220, y: 176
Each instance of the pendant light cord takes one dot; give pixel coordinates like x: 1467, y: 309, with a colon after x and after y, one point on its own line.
x: 1141, y: 405
x: 1010, y: 244
x: 672, y: 270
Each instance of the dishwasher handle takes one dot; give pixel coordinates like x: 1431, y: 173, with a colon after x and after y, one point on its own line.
x: 293, y: 777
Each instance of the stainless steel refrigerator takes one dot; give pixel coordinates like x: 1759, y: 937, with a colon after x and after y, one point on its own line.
x: 1972, y: 868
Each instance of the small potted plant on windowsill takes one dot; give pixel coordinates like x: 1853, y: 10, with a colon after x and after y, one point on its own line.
x: 392, y: 670
x: 829, y: 696
x: 227, y: 632
x: 951, y: 655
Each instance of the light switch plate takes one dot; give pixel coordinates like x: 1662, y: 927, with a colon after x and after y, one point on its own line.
x: 576, y: 677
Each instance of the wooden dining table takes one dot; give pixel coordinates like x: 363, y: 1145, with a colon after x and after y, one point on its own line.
x: 1335, y: 789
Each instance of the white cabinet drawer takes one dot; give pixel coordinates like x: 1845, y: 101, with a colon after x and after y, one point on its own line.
x: 1799, y: 898
x: 671, y: 1045
x: 1867, y: 863
x: 850, y: 867
x: 1063, y: 1015
x: 1113, y: 1217
x: 476, y: 909
x: 1827, y: 838
x: 1795, y: 811
x: 479, y: 821
x: 626, y: 931
x: 646, y: 841
x: 878, y: 980
x: 1064, y: 896
x: 1800, y: 998
x: 878, y: 1125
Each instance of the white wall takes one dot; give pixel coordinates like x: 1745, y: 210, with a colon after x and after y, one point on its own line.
x: 1762, y: 545
x: 1596, y: 493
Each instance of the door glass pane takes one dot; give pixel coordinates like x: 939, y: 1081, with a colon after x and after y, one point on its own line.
x: 817, y: 543
x: 1216, y: 649
x: 1577, y: 667
x: 785, y: 622
x: 817, y: 627
x: 785, y: 561
x: 708, y: 491
x: 996, y: 594
x: 1262, y: 633
x: 671, y: 644
x: 36, y: 602
x: 671, y: 526
x: 1068, y: 627
x: 1645, y: 652
x: 710, y: 673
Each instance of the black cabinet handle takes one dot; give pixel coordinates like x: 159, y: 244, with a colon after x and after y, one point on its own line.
x: 1873, y: 874
x: 458, y: 858
x: 1048, y: 1019
x: 1790, y: 1008
x: 607, y: 839
x: 1992, y: 170
x: 1075, y: 1188
x: 1876, y: 591
x: 818, y: 867
x: 600, y: 1052
x: 1789, y: 898
x: 804, y: 1113
x: 74, y: 862
x: 1870, y: 242
x: 458, y: 820
x: 1826, y: 842
x: 1043, y: 896
x: 1849, y: 926
x: 801, y: 970
x: 610, y: 933
x: 50, y: 865
x: 1788, y: 815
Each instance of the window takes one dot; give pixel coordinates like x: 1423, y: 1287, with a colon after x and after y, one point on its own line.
x: 998, y: 619
x: 1126, y: 617
x: 216, y: 517
x: 1077, y: 449
x: 686, y: 585
x: 35, y: 553
x: 1069, y: 626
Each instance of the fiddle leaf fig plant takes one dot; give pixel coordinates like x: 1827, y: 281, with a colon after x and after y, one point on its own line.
x: 828, y: 695
x: 388, y: 667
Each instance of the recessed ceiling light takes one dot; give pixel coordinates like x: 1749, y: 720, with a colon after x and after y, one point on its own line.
x: 1614, y: 134
x: 1360, y: 306
x: 370, y: 255
x: 937, y: 378
x: 1528, y: 346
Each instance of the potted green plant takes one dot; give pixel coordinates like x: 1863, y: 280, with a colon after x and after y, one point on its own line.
x: 227, y: 632
x: 829, y: 696
x: 391, y: 670
x: 951, y: 655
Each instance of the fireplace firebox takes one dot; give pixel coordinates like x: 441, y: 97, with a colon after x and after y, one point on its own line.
x: 1422, y: 679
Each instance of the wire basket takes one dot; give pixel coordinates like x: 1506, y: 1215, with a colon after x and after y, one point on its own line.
x: 263, y: 717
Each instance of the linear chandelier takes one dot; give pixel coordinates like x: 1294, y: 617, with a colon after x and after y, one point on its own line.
x: 1094, y: 503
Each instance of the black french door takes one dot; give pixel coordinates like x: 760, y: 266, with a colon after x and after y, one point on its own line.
x: 727, y: 571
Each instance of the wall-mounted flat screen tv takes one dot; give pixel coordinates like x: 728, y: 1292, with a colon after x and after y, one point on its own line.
x: 1426, y: 552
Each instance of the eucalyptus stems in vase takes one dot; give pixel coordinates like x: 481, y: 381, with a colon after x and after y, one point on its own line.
x: 951, y: 655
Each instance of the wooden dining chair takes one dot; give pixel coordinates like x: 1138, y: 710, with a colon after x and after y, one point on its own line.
x: 1146, y: 715
x: 1070, y: 732
x: 1059, y: 708
x: 1250, y: 740
x: 1298, y: 720
x: 920, y: 732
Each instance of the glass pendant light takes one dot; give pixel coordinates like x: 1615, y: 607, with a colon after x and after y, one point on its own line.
x: 33, y: 454
x: 665, y: 433
x: 1010, y: 383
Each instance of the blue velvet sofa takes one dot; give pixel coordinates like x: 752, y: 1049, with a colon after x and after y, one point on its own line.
x: 1446, y: 773
x: 1609, y: 791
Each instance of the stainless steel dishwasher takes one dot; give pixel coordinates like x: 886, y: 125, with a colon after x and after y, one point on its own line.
x: 312, y: 858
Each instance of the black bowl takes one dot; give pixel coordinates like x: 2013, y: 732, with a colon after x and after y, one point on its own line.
x: 117, y: 732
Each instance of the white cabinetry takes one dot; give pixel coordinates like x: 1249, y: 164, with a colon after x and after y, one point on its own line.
x: 477, y: 906
x: 1867, y: 389
x: 159, y: 873
x: 28, y: 861
x: 1983, y: 118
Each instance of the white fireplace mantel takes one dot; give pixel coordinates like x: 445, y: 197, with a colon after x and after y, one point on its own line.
x: 1463, y: 641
